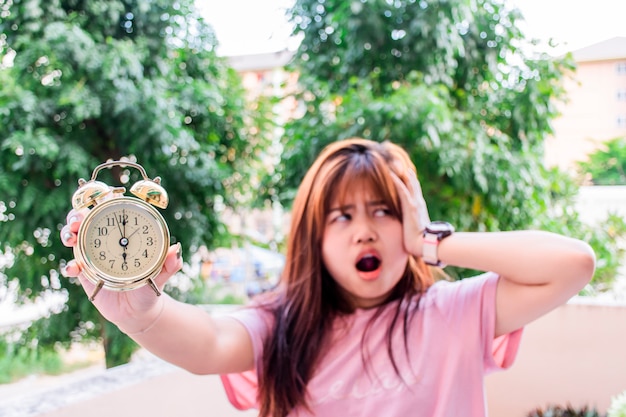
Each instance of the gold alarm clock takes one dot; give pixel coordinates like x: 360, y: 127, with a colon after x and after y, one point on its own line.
x: 123, y: 241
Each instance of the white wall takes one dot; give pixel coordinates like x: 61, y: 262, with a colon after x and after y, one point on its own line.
x: 595, y: 202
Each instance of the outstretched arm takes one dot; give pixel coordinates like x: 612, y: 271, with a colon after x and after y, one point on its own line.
x: 179, y: 333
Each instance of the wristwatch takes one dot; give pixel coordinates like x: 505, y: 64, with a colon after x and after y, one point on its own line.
x: 434, y: 233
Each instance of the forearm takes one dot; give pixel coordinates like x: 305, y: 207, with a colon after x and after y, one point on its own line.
x: 179, y: 333
x: 524, y: 257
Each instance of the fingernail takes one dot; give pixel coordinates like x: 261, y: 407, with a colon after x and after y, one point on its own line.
x: 67, y: 236
x: 64, y: 270
x: 178, y: 250
x: 72, y: 220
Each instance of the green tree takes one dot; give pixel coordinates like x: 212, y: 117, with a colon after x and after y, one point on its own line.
x: 82, y: 82
x: 606, y: 166
x: 452, y: 82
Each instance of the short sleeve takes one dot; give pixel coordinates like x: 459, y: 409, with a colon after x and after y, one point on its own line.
x: 242, y: 388
x: 501, y: 351
x: 469, y: 306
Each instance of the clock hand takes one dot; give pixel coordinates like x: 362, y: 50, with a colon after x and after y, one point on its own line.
x: 118, y: 225
x: 135, y: 231
x: 124, y: 221
x: 124, y: 263
x: 124, y: 245
x: 123, y: 239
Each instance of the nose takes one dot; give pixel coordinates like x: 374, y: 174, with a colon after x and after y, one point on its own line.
x: 365, y: 232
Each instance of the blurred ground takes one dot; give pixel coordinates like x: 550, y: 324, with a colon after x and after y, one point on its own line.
x: 145, y: 386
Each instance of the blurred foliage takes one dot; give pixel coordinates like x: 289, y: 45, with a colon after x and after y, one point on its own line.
x: 618, y: 406
x: 16, y: 363
x: 606, y: 166
x: 197, y: 290
x: 568, y: 411
x: 606, y: 236
x: 455, y: 84
x: 82, y: 82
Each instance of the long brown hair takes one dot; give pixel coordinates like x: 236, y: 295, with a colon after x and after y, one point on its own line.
x: 307, y: 298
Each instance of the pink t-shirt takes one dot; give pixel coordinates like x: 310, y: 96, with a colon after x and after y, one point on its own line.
x: 451, y: 348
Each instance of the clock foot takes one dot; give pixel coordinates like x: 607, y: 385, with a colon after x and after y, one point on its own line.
x: 154, y: 287
x: 96, y: 290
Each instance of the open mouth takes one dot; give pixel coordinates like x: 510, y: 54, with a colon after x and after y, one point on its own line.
x: 368, y: 263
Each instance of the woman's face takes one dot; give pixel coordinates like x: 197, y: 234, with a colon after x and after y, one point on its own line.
x: 362, y: 247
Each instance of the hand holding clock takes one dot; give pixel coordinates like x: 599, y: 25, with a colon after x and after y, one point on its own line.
x: 133, y: 310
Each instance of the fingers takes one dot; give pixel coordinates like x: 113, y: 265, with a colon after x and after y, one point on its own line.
x: 67, y: 237
x: 73, y: 221
x: 173, y: 260
x: 403, y: 191
x: 412, y: 197
x: 413, y: 187
x: 173, y: 263
x: 71, y: 269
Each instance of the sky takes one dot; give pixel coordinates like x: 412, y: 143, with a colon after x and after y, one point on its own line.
x: 248, y: 26
x: 256, y: 26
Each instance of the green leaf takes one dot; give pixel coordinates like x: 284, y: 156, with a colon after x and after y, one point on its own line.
x: 107, y: 79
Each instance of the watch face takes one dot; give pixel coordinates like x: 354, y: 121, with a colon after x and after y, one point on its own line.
x: 440, y: 227
x: 122, y: 241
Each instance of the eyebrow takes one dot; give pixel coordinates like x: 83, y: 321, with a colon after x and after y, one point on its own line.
x: 351, y: 206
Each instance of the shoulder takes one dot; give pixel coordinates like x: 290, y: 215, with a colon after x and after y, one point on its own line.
x: 253, y: 316
x: 257, y: 320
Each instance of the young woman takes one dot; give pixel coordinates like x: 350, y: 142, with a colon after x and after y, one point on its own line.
x: 357, y: 326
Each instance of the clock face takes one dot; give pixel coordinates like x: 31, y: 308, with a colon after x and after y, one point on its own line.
x: 122, y: 241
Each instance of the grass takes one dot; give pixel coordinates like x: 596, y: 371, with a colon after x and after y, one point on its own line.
x: 18, y: 362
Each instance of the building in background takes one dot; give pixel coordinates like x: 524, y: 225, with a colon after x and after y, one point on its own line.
x: 266, y: 74
x: 247, y: 269
x: 594, y: 113
x: 596, y: 108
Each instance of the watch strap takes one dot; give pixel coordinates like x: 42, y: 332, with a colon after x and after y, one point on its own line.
x: 434, y: 233
x: 429, y: 249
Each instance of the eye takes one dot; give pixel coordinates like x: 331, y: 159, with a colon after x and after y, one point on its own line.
x: 342, y: 217
x: 338, y: 216
x: 382, y: 212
